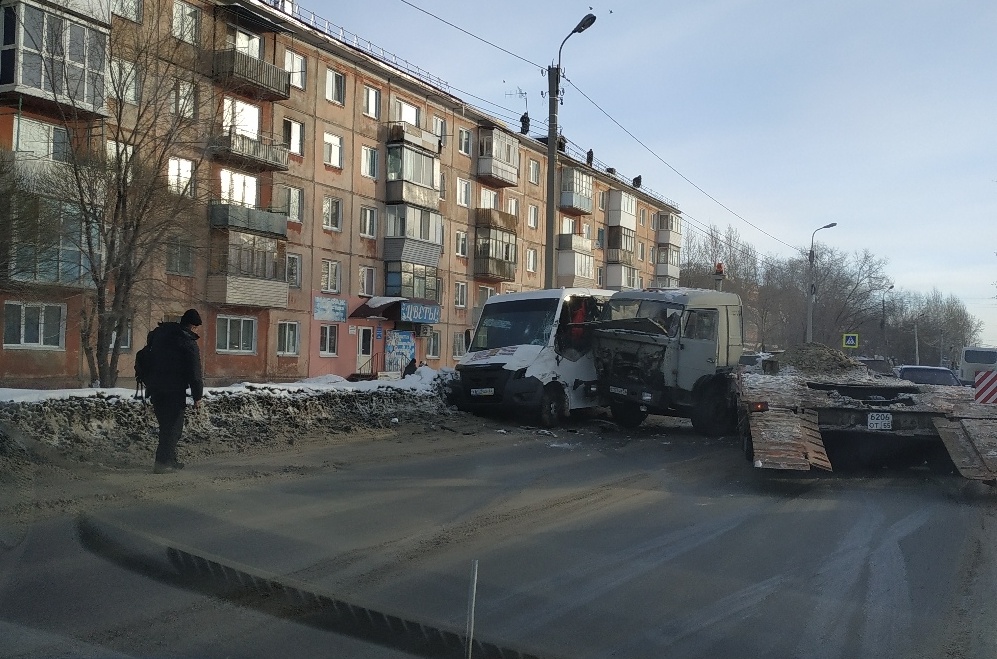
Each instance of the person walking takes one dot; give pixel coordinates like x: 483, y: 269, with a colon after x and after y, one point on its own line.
x: 176, y: 366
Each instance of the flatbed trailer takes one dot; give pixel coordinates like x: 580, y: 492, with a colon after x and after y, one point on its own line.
x: 784, y: 419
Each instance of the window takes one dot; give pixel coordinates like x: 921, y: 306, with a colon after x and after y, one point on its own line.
x: 41, y: 140
x: 404, y: 221
x: 643, y: 216
x: 640, y: 251
x: 368, y: 222
x: 59, y: 56
x: 650, y: 255
x: 130, y: 9
x: 28, y: 325
x: 237, y: 188
x: 533, y: 217
x: 335, y: 87
x: 293, y: 269
x: 246, y: 43
x: 587, y: 230
x: 440, y: 129
x: 332, y: 150
x: 126, y: 337
x: 287, y: 337
x: 602, y: 200
x: 459, y: 347
x: 463, y: 192
x: 372, y: 102
x: 464, y: 141
x: 411, y: 165
x: 368, y: 162
x: 235, y: 334
x: 368, y: 276
x: 249, y: 255
x: 293, y: 201
x: 534, y: 171
x: 328, y: 340
x: 460, y: 294
x: 600, y: 276
x: 410, y: 280
x: 294, y: 136
x: 61, y: 258
x: 180, y: 176
x: 125, y: 85
x: 332, y: 213
x: 407, y: 112
x: 330, y: 276
x: 512, y: 205
x: 531, y: 260
x: 443, y: 185
x: 460, y: 243
x: 294, y: 64
x: 629, y: 277
x: 186, y: 21
x: 179, y: 256
x: 241, y: 118
x: 184, y: 101
x: 433, y: 345
x: 489, y: 199
x: 600, y: 237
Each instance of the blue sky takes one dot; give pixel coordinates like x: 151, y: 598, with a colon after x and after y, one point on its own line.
x: 879, y: 116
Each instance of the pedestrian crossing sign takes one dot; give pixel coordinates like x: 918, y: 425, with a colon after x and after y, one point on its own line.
x: 849, y: 340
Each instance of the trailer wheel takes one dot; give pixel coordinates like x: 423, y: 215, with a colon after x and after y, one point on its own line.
x: 713, y: 416
x: 627, y: 415
x: 551, y: 406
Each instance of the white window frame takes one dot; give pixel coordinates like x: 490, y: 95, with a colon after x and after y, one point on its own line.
x: 288, y: 329
x: 226, y: 322
x: 464, y: 141
x: 408, y: 113
x: 463, y: 193
x: 368, y: 162
x: 294, y: 135
x: 533, y: 216
x: 512, y: 206
x: 186, y: 25
x: 335, y: 86
x: 180, y: 176
x: 296, y: 66
x: 460, y: 243
x: 332, y: 213
x: 534, y: 171
x: 328, y: 334
x: 489, y: 199
x: 367, y: 281
x: 295, y: 203
x: 130, y: 9
x: 372, y: 102
x: 433, y: 344
x: 460, y: 294
x: 184, y: 101
x: 368, y: 222
x: 179, y: 256
x: 531, y: 260
x: 125, y: 81
x: 292, y: 273
x: 331, y: 276
x: 640, y: 252
x: 459, y: 347
x: 440, y: 129
x: 332, y: 150
x: 41, y: 344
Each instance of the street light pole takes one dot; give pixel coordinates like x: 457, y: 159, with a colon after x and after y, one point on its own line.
x: 553, y: 98
x: 813, y: 284
x: 882, y: 320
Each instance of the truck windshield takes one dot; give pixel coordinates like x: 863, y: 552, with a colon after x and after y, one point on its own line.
x: 664, y: 314
x: 513, y: 323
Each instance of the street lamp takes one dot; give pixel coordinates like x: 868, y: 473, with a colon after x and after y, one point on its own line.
x: 813, y: 284
x: 917, y: 345
x: 882, y: 320
x: 553, y: 96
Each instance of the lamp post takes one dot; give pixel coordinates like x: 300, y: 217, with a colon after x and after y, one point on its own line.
x: 813, y: 284
x: 882, y: 320
x: 553, y: 96
x: 917, y: 346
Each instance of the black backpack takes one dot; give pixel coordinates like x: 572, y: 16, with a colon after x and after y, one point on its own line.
x: 145, y: 362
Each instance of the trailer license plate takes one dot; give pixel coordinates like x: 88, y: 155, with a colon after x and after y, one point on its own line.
x: 486, y: 391
x: 880, y: 421
x: 618, y: 390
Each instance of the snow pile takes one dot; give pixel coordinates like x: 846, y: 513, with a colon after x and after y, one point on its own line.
x: 817, y: 358
x: 111, y: 427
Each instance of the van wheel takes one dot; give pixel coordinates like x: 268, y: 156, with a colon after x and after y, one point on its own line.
x: 627, y: 415
x: 551, y: 406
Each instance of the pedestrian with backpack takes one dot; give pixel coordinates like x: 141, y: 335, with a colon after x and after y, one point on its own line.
x: 173, y: 365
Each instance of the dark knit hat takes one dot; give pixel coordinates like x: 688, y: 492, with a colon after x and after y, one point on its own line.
x: 191, y: 317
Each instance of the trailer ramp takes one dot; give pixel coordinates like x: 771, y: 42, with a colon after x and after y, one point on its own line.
x: 784, y: 439
x: 971, y: 440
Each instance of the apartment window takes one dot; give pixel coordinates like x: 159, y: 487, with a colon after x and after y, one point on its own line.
x: 404, y: 221
x: 640, y: 251
x: 294, y: 64
x: 126, y: 337
x: 534, y: 172
x: 294, y: 136
x: 186, y: 21
x: 433, y: 345
x: 292, y: 267
x: 235, y: 334
x: 464, y: 141
x: 368, y: 222
x: 332, y: 150
x: 293, y: 202
x: 512, y: 206
x: 440, y: 129
x: 335, y: 87
x: 60, y: 260
x: 29, y: 325
x: 287, y: 338
x: 179, y: 257
x: 600, y: 277
x: 602, y: 200
x: 184, y: 101
x: 130, y: 9
x: 643, y: 216
x: 414, y: 166
x: 443, y: 185
x: 241, y: 118
x: 533, y: 217
x: 332, y: 213
x: 407, y: 112
x: 246, y: 43
x: 459, y: 347
x: 368, y: 162
x: 460, y: 294
x: 180, y: 176
x: 330, y: 276
x: 587, y: 230
x: 531, y: 260
x: 328, y: 340
x: 600, y: 237
x: 460, y: 243
x: 125, y: 81
x: 41, y: 140
x: 410, y: 280
x: 629, y: 277
x: 368, y: 276
x: 59, y: 56
x: 650, y: 255
x: 372, y: 102
x: 463, y: 192
x: 640, y: 281
x: 237, y: 188
x: 489, y: 199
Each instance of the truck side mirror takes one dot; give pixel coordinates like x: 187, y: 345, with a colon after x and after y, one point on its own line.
x: 467, y: 339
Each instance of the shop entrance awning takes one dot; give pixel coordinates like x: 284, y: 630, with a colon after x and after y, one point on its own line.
x: 401, y: 309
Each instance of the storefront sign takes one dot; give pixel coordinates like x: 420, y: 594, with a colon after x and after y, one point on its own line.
x: 399, y: 350
x: 413, y: 312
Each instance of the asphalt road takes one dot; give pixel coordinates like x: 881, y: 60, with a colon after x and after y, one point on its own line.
x: 592, y: 543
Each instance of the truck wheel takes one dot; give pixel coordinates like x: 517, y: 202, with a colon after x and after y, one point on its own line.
x: 713, y: 416
x: 627, y: 415
x: 551, y: 406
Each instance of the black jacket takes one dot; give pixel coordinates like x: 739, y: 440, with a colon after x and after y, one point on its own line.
x: 176, y: 361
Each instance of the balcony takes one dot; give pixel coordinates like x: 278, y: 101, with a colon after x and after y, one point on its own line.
x: 257, y: 78
x: 489, y: 217
x: 494, y: 269
x: 575, y: 268
x: 246, y: 218
x: 498, y: 158
x: 261, y: 152
x: 666, y: 270
x: 246, y: 291
x: 667, y: 237
x: 573, y: 203
x: 402, y: 131
x: 572, y: 242
x: 406, y: 192
x: 617, y: 255
x: 412, y: 250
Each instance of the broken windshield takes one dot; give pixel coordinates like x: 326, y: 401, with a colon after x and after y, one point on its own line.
x: 517, y: 322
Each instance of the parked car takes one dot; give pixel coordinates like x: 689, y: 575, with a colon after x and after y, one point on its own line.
x: 928, y: 375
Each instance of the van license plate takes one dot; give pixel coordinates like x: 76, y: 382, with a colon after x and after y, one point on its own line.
x: 487, y: 391
x: 880, y: 421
